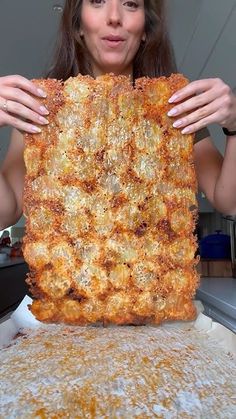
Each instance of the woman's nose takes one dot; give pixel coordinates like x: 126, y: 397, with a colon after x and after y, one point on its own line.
x: 114, y: 13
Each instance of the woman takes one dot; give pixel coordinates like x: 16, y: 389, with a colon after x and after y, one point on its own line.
x: 123, y: 37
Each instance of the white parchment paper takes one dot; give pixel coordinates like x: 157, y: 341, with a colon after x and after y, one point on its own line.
x: 23, y: 318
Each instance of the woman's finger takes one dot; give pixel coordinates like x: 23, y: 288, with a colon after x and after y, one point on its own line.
x: 193, y: 103
x: 197, y: 115
x: 197, y: 87
x: 21, y: 111
x: 24, y: 84
x: 191, y: 129
x: 7, y: 119
x: 194, y: 127
x: 17, y: 95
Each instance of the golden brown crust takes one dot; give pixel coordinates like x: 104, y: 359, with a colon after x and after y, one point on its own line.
x: 108, y: 193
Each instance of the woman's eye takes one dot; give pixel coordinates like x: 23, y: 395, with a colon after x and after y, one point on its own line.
x: 131, y: 4
x: 97, y: 2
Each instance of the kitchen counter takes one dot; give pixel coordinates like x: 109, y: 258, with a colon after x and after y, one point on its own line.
x: 11, y: 261
x: 218, y: 296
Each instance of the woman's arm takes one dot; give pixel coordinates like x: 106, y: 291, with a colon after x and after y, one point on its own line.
x: 217, y: 176
x: 197, y: 105
x: 20, y: 108
x: 11, y: 182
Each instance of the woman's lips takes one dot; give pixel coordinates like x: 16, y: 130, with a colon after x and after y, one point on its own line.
x: 112, y: 42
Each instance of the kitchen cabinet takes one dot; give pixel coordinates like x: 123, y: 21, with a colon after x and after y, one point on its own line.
x: 13, y: 287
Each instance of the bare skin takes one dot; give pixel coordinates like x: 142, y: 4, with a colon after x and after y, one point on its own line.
x: 113, y: 45
x: 112, y: 31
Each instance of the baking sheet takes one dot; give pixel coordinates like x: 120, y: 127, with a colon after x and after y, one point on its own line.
x: 23, y: 318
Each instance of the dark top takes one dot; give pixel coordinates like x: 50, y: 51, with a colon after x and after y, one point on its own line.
x: 201, y: 134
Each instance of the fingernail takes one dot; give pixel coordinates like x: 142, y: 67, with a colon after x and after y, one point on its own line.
x: 41, y: 93
x: 172, y: 112
x: 44, y: 110
x: 43, y: 120
x: 173, y: 98
x: 35, y: 129
x: 185, y: 130
x: 177, y: 123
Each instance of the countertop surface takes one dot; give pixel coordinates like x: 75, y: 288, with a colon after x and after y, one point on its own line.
x: 11, y: 261
x: 219, y: 294
x: 221, y: 288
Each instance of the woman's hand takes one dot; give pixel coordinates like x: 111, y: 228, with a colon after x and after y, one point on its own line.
x: 204, y: 102
x: 19, y: 107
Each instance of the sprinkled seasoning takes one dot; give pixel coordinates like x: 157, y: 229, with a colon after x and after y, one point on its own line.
x: 116, y: 372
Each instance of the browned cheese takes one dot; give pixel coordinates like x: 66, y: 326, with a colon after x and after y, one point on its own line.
x: 109, y: 197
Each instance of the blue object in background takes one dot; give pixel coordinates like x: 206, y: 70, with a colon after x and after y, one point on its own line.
x: 215, y: 246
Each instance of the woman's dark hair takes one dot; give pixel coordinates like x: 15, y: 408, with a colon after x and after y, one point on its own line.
x: 154, y: 58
